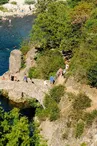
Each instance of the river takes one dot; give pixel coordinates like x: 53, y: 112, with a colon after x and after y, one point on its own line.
x: 11, y: 37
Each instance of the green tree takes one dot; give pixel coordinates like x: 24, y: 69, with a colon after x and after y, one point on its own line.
x: 51, y: 26
x: 47, y: 65
x: 14, y: 129
x: 42, y: 5
x: 57, y: 92
x: 92, y: 75
x: 3, y: 1
x: 79, y: 129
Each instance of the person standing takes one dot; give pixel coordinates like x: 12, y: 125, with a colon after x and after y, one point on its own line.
x: 25, y: 78
x: 52, y: 80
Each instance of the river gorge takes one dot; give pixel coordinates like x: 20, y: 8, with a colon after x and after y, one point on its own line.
x: 11, y: 36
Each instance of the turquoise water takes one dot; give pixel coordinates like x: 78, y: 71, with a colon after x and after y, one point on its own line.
x: 11, y: 37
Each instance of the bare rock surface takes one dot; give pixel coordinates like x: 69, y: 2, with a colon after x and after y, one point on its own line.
x: 15, y: 61
x: 30, y: 90
x: 75, y: 88
x: 30, y: 62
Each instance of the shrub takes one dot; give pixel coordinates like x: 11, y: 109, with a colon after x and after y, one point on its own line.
x: 3, y: 1
x: 79, y: 129
x: 3, y: 9
x: 92, y: 75
x: 37, y: 140
x: 51, y: 110
x: 23, y: 61
x: 81, y: 102
x: 34, y: 103
x: 25, y: 47
x: 49, y: 63
x: 33, y: 73
x: 54, y: 112
x: 83, y: 144
x: 51, y: 107
x: 29, y: 2
x: 42, y: 114
x: 89, y: 117
x: 14, y: 3
x: 76, y: 115
x: 57, y: 92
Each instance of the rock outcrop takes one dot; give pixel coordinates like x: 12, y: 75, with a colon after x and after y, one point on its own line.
x: 15, y: 61
x: 21, y: 91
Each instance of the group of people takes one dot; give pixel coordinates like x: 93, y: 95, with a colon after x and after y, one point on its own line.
x: 60, y: 72
x: 14, y: 77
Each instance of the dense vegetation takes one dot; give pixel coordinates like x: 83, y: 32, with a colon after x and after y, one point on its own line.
x: 51, y: 101
x: 47, y: 64
x: 16, y: 130
x: 69, y: 25
x: 3, y: 1
x: 29, y: 2
x: 59, y: 25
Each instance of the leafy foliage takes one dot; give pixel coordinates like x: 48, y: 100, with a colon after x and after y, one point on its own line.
x: 90, y: 117
x: 51, y: 104
x: 14, y: 130
x: 47, y: 65
x: 69, y: 25
x: 3, y: 1
x: 25, y: 47
x: 83, y: 144
x: 37, y: 138
x: 51, y: 109
x: 33, y: 73
x: 14, y: 2
x: 92, y: 75
x: 29, y: 2
x: 42, y: 5
x: 81, y: 102
x: 57, y: 92
x: 51, y: 26
x: 79, y: 129
x: 3, y: 9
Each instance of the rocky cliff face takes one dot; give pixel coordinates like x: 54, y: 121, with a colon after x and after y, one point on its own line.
x: 15, y: 61
x: 19, y: 90
x: 61, y: 132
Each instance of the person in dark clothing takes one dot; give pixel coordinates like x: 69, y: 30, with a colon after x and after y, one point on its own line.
x: 12, y: 78
x: 22, y: 94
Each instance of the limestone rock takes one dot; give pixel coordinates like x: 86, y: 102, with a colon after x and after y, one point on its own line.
x: 15, y: 61
x: 30, y: 62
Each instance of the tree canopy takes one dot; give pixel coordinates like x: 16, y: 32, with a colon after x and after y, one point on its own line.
x: 68, y: 25
x: 3, y: 1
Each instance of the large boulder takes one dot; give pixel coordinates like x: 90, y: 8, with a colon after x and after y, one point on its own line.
x: 15, y: 61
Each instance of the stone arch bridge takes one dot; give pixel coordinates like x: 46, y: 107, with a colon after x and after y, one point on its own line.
x: 21, y: 91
